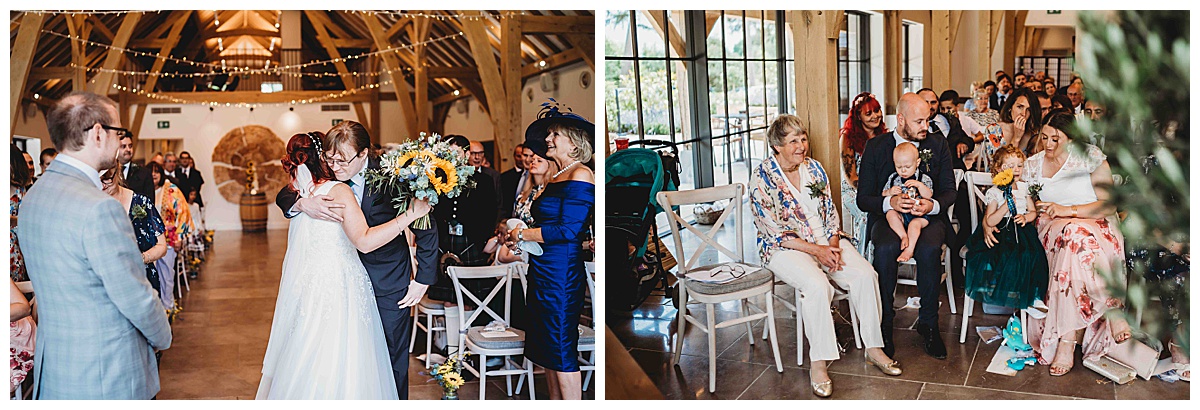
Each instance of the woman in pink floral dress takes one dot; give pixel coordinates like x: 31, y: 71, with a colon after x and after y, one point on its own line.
x: 1078, y: 228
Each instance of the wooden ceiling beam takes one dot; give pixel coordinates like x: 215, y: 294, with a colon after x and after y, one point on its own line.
x: 104, y: 80
x: 512, y: 35
x: 477, y: 35
x: 101, y: 28
x: 319, y: 20
x: 419, y: 32
x: 180, y: 20
x: 329, y: 25
x: 555, y: 24
x: 586, y: 44
x: 396, y: 28
x: 20, y: 60
x: 555, y: 61
x: 667, y: 29
x: 955, y: 23
x: 79, y: 76
x: 391, y: 61
x: 454, y: 72
x: 47, y: 73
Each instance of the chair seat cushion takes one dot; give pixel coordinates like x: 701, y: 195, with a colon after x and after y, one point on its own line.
x: 428, y: 303
x: 587, y: 335
x: 752, y: 279
x: 475, y: 336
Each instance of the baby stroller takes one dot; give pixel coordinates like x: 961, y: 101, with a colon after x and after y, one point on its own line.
x: 635, y: 176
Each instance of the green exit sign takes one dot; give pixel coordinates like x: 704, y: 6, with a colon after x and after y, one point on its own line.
x: 1053, y: 11
x: 162, y: 125
x: 336, y: 121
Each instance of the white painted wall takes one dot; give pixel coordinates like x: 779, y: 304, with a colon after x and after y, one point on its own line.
x: 201, y: 130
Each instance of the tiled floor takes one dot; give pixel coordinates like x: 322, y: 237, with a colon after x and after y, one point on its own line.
x: 748, y: 372
x: 221, y: 335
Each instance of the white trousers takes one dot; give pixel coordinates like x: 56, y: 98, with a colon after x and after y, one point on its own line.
x: 803, y: 272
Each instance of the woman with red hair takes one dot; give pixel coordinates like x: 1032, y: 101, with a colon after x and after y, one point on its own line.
x: 864, y: 122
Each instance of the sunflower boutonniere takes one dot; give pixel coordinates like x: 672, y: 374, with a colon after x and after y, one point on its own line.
x: 816, y: 189
x: 138, y: 212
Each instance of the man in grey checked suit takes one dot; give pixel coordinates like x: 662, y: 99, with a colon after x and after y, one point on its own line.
x: 99, y: 320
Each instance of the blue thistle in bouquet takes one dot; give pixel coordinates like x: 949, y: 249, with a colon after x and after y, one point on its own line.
x: 424, y: 168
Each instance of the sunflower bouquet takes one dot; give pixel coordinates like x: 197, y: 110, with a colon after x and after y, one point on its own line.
x: 449, y: 375
x: 424, y: 168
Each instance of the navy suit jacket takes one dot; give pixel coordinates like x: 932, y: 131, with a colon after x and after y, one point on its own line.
x: 390, y: 266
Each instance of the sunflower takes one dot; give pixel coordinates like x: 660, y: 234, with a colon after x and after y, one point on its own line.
x: 448, y: 179
x: 407, y: 158
x: 1003, y: 178
x: 453, y: 381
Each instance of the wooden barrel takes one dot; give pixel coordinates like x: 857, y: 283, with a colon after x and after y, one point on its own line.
x: 254, y: 212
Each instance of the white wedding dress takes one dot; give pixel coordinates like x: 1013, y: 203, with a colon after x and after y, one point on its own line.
x: 326, y: 338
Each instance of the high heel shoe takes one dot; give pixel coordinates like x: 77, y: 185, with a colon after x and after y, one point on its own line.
x: 823, y: 389
x: 890, y: 369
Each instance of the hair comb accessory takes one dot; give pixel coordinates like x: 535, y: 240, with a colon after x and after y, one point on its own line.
x: 317, y: 141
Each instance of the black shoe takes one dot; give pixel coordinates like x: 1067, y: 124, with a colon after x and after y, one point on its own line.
x: 889, y: 348
x: 933, y: 341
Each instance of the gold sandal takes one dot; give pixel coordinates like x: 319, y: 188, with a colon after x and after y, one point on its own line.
x: 1060, y: 365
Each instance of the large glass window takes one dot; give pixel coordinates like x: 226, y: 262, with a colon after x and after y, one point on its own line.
x: 913, y: 58
x: 854, y: 58
x: 649, y: 96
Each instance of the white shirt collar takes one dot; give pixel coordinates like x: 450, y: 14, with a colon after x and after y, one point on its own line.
x: 901, y: 140
x: 942, y: 123
x: 91, y: 173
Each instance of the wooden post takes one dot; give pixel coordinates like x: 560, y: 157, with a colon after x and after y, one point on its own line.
x: 399, y: 84
x: 893, y: 43
x: 21, y: 58
x: 939, y: 34
x: 104, y: 79
x: 419, y: 31
x: 511, y: 35
x: 74, y: 28
x: 816, y: 34
x: 1014, y: 29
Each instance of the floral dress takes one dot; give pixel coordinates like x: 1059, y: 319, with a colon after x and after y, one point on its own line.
x: 16, y: 262
x: 993, y: 137
x: 175, y: 213
x: 147, y: 226
x: 1077, y: 250
x: 525, y: 204
x: 778, y: 214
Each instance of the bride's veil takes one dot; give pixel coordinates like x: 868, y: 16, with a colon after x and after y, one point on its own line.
x: 303, y: 182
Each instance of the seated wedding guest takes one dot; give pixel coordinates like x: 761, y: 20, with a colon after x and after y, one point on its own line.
x: 1059, y: 101
x: 1004, y: 90
x: 1019, y: 80
x: 18, y: 182
x: 1049, y: 87
x: 47, y: 156
x: 557, y: 281
x: 1076, y: 95
x: 992, y: 136
x: 877, y: 165
x: 29, y: 163
x: 1020, y: 120
x: 1010, y: 271
x: 147, y: 225
x: 798, y: 238
x: 21, y: 337
x: 909, y: 183
x: 1044, y: 103
x: 99, y: 321
x: 177, y: 223
x: 864, y: 123
x: 157, y: 158
x: 1034, y: 85
x: 1078, y: 228
x: 1169, y: 266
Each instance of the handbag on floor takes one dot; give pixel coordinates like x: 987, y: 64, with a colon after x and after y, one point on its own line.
x: 1111, y: 369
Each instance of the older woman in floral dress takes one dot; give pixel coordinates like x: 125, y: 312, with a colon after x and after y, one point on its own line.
x: 799, y: 241
x: 1077, y: 226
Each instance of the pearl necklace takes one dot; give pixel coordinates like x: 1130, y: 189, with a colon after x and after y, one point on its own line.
x: 565, y: 169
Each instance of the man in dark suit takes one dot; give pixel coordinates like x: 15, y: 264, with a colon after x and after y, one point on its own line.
x: 347, y: 150
x: 877, y: 165
x: 1004, y: 87
x: 190, y: 179
x: 510, y: 182
x: 136, y: 178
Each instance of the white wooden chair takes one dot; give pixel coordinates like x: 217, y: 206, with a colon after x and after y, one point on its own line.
x: 430, y: 309
x: 472, y: 339
x: 757, y: 282
x: 587, y: 335
x: 977, y: 182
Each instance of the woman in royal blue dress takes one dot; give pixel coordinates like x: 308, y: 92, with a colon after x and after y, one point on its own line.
x: 556, y: 277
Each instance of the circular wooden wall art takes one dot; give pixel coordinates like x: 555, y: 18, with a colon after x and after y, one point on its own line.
x: 240, y: 146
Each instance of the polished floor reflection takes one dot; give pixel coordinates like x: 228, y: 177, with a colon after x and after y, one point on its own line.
x: 748, y: 372
x: 221, y: 335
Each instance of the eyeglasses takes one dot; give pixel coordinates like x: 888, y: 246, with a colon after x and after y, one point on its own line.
x: 121, y: 132
x: 737, y: 271
x: 341, y: 163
